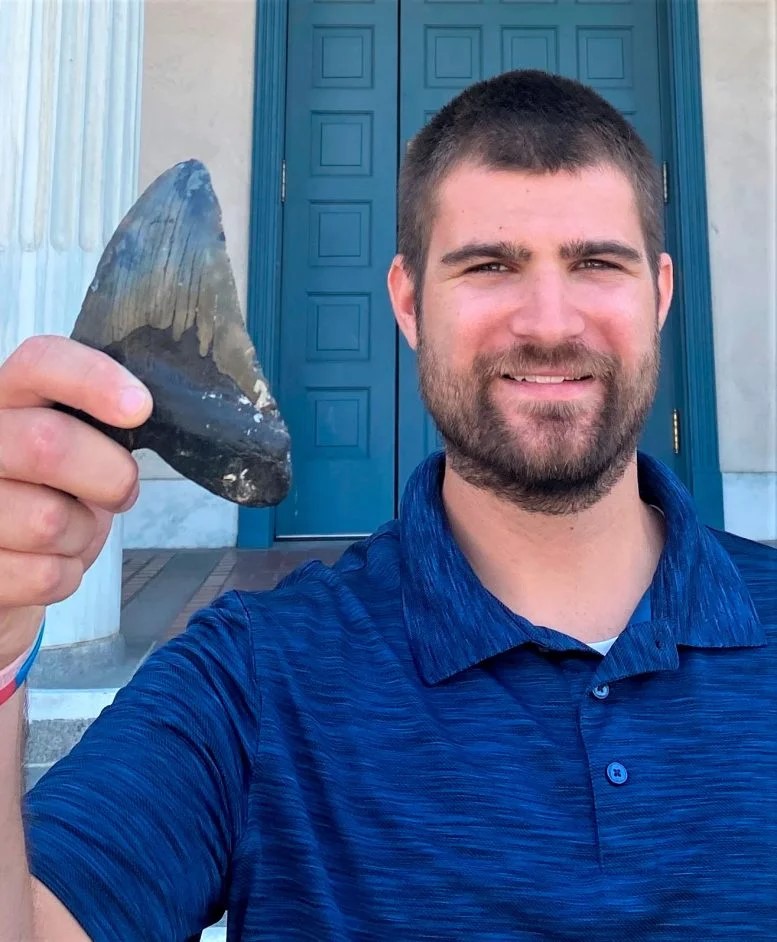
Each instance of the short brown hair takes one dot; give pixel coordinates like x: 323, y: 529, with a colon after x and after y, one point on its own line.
x: 523, y: 120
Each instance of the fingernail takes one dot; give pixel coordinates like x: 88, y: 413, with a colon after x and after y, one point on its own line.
x: 132, y: 399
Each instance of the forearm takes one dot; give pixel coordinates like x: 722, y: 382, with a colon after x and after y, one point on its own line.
x: 16, y: 913
x: 18, y: 629
x: 61, y: 482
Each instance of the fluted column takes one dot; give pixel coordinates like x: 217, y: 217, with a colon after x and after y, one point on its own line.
x: 69, y: 135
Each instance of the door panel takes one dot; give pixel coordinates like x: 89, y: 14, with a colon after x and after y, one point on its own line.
x: 447, y: 45
x: 337, y: 383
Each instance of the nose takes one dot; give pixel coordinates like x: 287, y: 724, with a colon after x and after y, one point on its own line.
x: 544, y: 314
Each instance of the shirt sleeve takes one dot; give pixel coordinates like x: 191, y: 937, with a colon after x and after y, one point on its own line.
x: 135, y: 829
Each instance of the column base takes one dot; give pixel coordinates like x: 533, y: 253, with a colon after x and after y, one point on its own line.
x: 70, y: 665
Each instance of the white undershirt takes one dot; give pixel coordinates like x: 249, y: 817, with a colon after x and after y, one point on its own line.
x: 602, y: 647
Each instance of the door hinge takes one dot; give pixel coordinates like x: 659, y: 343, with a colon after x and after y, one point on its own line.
x: 283, y: 181
x: 676, y: 430
x: 665, y: 179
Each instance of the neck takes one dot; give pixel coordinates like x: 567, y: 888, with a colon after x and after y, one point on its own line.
x: 582, y: 574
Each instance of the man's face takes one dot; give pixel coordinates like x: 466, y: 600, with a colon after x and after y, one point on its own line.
x: 537, y: 331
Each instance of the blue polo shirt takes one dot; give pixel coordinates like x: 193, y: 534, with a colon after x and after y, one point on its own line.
x: 382, y: 751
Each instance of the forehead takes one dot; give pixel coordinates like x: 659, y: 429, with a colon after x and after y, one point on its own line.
x: 479, y: 203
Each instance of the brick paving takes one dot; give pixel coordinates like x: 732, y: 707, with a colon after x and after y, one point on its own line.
x: 150, y: 574
x: 138, y: 568
x: 211, y: 587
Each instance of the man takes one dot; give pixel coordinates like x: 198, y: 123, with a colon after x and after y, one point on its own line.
x: 541, y: 705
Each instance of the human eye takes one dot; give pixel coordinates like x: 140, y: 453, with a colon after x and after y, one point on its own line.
x: 487, y: 267
x: 597, y: 264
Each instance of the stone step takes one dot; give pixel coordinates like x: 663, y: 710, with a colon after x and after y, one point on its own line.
x: 58, y: 718
x: 33, y: 772
x: 59, y: 712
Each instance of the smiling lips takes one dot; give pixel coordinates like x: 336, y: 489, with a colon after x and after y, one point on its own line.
x: 548, y: 386
x: 546, y: 379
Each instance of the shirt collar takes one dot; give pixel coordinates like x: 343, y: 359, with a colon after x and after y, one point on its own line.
x: 698, y: 597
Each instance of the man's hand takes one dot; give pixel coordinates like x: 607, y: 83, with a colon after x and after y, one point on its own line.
x: 61, y: 481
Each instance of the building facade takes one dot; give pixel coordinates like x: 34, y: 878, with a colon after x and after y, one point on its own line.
x: 339, y: 89
x: 301, y: 111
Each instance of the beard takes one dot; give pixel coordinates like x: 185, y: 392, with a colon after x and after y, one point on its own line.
x: 558, y: 457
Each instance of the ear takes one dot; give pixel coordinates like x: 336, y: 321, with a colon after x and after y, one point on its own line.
x: 402, y: 294
x: 665, y: 287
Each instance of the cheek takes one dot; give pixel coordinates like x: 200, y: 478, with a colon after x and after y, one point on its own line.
x: 478, y: 318
x: 456, y: 325
x: 621, y: 320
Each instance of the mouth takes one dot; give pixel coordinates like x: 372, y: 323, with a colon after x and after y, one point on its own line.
x: 548, y: 380
x: 538, y: 386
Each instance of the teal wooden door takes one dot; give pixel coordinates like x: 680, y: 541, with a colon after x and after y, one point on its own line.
x: 611, y: 45
x: 337, y: 377
x: 362, y: 78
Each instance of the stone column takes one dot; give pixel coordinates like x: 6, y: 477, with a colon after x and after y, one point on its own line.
x: 69, y: 136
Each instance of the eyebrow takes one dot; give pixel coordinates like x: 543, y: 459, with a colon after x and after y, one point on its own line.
x: 515, y: 252
x: 572, y: 251
x: 501, y: 251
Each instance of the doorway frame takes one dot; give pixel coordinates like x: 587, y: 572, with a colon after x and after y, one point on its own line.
x: 679, y: 61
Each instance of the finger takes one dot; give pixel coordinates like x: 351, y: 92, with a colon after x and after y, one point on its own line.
x: 50, y: 369
x: 43, y: 446
x: 38, y: 519
x: 37, y: 579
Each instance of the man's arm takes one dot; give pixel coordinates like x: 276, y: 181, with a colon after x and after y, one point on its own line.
x: 49, y: 920
x: 135, y: 830
x: 16, y: 921
x: 60, y: 483
x: 53, y: 923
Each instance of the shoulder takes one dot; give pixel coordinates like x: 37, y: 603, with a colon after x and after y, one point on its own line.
x: 747, y: 553
x: 206, y: 670
x: 757, y: 564
x: 328, y: 614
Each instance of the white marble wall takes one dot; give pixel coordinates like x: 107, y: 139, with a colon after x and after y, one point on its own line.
x: 750, y: 505
x: 739, y: 89
x: 69, y: 149
x: 174, y: 513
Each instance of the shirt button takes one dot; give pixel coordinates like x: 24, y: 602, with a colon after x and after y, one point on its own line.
x: 617, y: 773
x: 601, y: 692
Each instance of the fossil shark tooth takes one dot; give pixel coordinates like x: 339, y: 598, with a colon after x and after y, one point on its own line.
x: 163, y: 303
